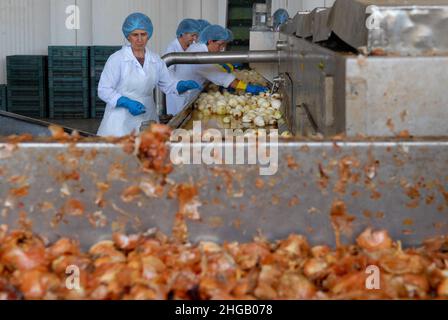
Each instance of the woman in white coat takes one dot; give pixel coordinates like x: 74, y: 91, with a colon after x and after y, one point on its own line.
x: 187, y: 33
x: 214, y: 38
x: 129, y: 78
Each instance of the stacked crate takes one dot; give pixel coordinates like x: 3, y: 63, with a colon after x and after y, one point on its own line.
x: 68, y: 82
x: 98, y: 59
x: 3, y: 104
x: 27, y: 85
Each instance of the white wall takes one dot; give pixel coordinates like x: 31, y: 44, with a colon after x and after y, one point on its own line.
x: 293, y: 6
x: 24, y: 28
x: 29, y: 26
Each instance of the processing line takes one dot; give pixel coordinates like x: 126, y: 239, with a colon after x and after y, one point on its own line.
x: 367, y: 107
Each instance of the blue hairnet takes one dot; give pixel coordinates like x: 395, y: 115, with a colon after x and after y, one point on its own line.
x: 203, y: 24
x: 214, y: 33
x: 280, y: 17
x: 137, y: 21
x: 231, y: 38
x: 188, y: 26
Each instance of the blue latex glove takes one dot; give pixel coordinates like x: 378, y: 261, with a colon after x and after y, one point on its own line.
x: 227, y: 67
x: 184, y: 86
x: 255, y: 90
x: 238, y: 65
x: 134, y: 107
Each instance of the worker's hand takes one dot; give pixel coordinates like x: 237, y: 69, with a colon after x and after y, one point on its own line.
x: 255, y: 90
x: 184, y: 86
x: 251, y: 88
x: 134, y: 107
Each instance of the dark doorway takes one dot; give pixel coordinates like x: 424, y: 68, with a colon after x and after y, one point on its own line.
x: 240, y: 22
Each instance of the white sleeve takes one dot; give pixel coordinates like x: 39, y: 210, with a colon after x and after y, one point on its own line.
x: 109, y: 81
x: 169, y: 50
x: 166, y: 81
x: 212, y: 73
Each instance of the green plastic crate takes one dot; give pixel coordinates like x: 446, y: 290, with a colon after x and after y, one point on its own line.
x: 69, y: 108
x: 64, y: 67
x: 28, y: 106
x: 97, y: 106
x: 24, y: 91
x: 99, y: 56
x: 62, y: 91
x: 27, y: 85
x: 74, y: 82
x: 27, y: 61
x: 68, y: 71
x: 3, y: 100
x: 68, y: 51
x: 26, y: 67
x: 27, y: 82
x: 24, y: 74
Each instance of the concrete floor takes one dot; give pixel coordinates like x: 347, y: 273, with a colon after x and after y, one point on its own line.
x: 88, y: 125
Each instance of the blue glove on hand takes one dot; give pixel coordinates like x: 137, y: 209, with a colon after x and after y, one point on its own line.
x: 134, y: 107
x: 255, y: 90
x: 184, y: 86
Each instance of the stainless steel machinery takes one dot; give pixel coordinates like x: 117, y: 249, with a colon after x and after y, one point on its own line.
x: 338, y: 77
x: 15, y: 124
x: 371, y: 68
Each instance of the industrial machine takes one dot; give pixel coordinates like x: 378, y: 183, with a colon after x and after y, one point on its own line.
x: 366, y: 101
x: 370, y: 68
x: 15, y: 124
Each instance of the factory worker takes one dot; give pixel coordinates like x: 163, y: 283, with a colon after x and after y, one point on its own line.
x: 281, y: 16
x: 202, y: 24
x: 213, y: 39
x: 187, y: 33
x: 129, y: 78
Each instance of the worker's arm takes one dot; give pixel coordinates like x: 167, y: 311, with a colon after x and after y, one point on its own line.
x: 249, y: 88
x: 214, y: 74
x: 109, y: 81
x: 166, y: 82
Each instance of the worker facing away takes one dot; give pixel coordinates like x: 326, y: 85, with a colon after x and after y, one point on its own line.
x: 129, y: 78
x: 187, y: 33
x: 214, y: 38
x: 280, y: 17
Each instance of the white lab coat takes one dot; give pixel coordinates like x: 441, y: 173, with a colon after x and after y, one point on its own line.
x: 124, y: 76
x: 173, y: 101
x: 174, y: 47
x: 200, y: 73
